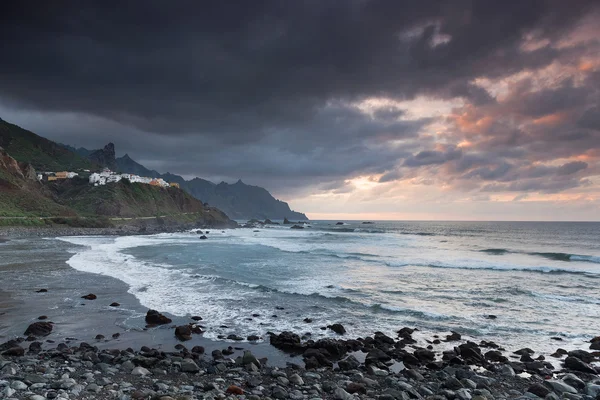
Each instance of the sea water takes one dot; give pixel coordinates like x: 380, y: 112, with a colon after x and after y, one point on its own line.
x: 519, y: 283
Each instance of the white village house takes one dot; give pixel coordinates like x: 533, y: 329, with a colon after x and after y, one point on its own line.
x: 107, y: 176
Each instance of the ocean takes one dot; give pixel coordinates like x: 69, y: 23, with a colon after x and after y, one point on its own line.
x: 518, y: 283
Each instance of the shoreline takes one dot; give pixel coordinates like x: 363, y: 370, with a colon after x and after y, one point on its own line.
x: 377, y: 366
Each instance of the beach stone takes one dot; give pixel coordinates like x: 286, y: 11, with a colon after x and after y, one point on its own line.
x: 582, y: 355
x: 560, y: 387
x: 90, y: 296
x: 188, y: 365
x: 296, y: 379
x: 375, y: 356
x: 453, y: 384
x: 349, y: 363
x: 592, y: 390
x: 140, y: 371
x: 153, y: 317
x: 507, y: 370
x: 573, y: 380
x: 539, y: 390
x: 18, y: 385
x: 114, y: 304
x: 39, y: 329
x: 8, y: 392
x: 455, y: 336
x: 354, y: 387
x: 341, y: 394
x: 279, y: 393
x: 577, y: 364
x: 249, y: 358
x: 235, y: 390
x: 463, y: 394
x: 36, y: 397
x: 17, y: 351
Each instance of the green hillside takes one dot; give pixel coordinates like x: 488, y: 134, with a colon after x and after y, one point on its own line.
x: 41, y: 153
x: 123, y: 199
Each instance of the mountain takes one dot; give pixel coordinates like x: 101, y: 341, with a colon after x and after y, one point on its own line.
x: 41, y: 153
x: 22, y: 195
x: 238, y: 201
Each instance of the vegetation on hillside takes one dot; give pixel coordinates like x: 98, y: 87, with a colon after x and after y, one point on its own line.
x: 41, y: 153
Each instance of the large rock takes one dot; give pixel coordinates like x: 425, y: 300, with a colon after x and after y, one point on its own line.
x: 337, y: 328
x: 90, y: 296
x: 576, y: 364
x: 582, y: 355
x: 39, y: 329
x: 376, y: 355
x: 188, y: 365
x: 183, y: 332
x: 287, y: 341
x: 153, y: 317
x: 348, y: 363
x: 560, y: 387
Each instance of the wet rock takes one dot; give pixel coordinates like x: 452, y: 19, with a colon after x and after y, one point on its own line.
x: 577, y: 364
x: 42, y: 317
x: 39, y: 329
x: 455, y: 336
x: 198, y: 349
x: 495, y: 356
x: 287, y: 341
x: 99, y: 337
x: 524, y: 350
x: 253, y: 338
x: 582, y: 355
x: 279, y: 393
x: 197, y: 318
x: 348, y: 363
x: 560, y: 387
x: 183, y: 332
x: 337, y: 328
x: 424, y: 355
x: 203, y: 237
x: 188, y: 365
x: 354, y: 387
x: 41, y: 291
x: 90, y: 296
x: 16, y: 351
x: 153, y: 317
x: 573, y: 380
x: 539, y: 390
x: 114, y: 304
x: 592, y: 390
x: 235, y: 337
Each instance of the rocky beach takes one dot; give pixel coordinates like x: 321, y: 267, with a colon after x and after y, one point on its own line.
x: 75, y: 335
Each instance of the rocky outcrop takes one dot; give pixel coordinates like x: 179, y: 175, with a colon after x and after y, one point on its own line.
x: 153, y: 317
x: 104, y: 157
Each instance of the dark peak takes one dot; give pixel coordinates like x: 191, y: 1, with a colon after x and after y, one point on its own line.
x: 239, y: 182
x: 110, y: 147
x: 126, y: 157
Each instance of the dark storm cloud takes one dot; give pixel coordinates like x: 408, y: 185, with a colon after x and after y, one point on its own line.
x: 267, y: 89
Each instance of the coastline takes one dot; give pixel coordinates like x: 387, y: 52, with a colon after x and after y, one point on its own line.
x: 378, y: 366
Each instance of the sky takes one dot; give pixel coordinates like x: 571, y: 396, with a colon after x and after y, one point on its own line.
x: 349, y: 109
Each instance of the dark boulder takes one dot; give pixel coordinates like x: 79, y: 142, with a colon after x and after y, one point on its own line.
x: 582, y: 355
x: 425, y: 355
x: 153, y: 317
x: 90, y: 296
x: 349, y: 363
x: 197, y: 318
x: 41, y: 290
x: 297, y: 227
x: 335, y: 348
x: 115, y: 304
x: 35, y: 347
x: 525, y: 350
x: 339, y: 223
x: 337, y: 328
x: 16, y: 351
x: 495, y: 356
x: 253, y: 338
x: 183, y: 332
x: 39, y: 329
x: 577, y: 364
x: 455, y: 336
x: 287, y: 341
x: 203, y: 237
x: 539, y: 390
x: 235, y: 337
x: 198, y: 350
x: 376, y: 355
